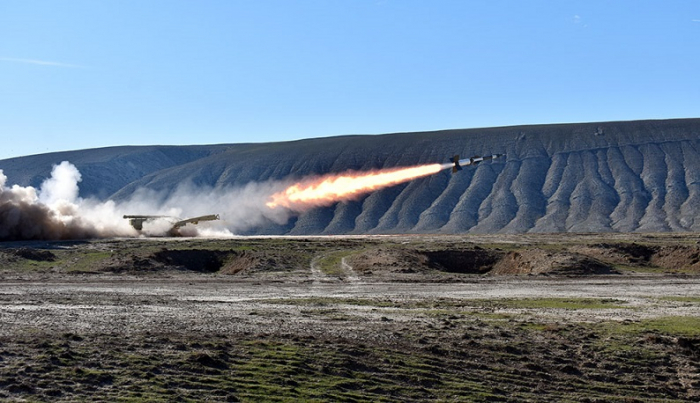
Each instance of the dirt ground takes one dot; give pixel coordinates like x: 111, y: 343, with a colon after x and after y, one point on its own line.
x: 581, y: 318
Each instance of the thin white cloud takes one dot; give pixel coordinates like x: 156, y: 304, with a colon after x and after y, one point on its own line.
x: 41, y: 62
x: 695, y: 20
x: 578, y: 21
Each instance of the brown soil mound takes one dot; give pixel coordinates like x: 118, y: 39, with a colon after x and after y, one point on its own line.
x: 669, y: 257
x: 239, y: 262
x: 197, y: 260
x: 224, y: 261
x: 37, y: 255
x: 539, y: 261
x: 407, y: 260
x: 133, y: 264
x: 677, y: 258
x: 619, y: 253
x: 389, y: 259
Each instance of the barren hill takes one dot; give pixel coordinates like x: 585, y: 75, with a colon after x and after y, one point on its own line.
x: 639, y: 176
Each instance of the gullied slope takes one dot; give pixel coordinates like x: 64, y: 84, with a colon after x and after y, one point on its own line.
x: 641, y: 176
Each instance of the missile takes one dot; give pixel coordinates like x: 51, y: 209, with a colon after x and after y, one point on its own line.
x: 458, y: 163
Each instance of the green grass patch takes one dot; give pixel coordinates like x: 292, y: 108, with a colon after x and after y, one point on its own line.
x: 31, y: 265
x: 668, y: 325
x: 330, y: 265
x: 86, y: 261
x: 563, y: 303
x: 673, y: 325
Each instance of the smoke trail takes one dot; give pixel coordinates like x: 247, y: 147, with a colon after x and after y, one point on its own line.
x: 56, y: 212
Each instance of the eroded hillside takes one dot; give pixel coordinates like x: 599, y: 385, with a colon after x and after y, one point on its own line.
x: 641, y: 176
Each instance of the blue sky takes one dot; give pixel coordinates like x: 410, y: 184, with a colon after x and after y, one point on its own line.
x: 85, y: 74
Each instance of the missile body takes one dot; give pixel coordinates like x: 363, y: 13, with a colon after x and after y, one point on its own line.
x: 459, y: 163
x: 476, y: 159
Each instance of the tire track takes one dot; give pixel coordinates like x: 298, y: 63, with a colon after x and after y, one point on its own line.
x: 351, y: 274
x: 316, y: 276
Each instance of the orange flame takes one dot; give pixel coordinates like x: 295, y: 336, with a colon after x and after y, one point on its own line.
x: 329, y: 189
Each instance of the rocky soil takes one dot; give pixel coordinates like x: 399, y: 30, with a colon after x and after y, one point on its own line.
x: 578, y: 318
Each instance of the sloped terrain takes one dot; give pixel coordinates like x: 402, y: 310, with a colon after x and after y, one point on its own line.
x: 640, y: 176
x: 539, y: 261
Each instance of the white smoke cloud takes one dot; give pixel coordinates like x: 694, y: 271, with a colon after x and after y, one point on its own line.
x: 62, y: 186
x: 240, y: 207
x: 55, y: 210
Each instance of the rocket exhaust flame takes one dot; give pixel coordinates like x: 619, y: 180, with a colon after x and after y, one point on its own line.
x: 328, y: 189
